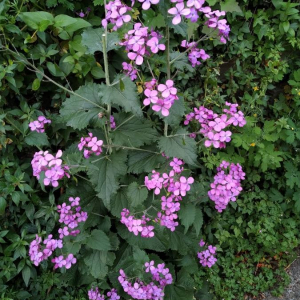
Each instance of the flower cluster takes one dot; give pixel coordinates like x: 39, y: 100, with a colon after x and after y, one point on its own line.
x: 161, y: 96
x: 213, y: 125
x: 141, y: 290
x: 51, y: 165
x: 138, y: 42
x: 137, y: 225
x: 176, y: 186
x: 194, y: 53
x: 91, y: 145
x: 129, y: 70
x: 226, y: 187
x: 38, y: 253
x: 207, y: 257
x: 116, y: 14
x: 191, y: 11
x: 94, y: 294
x: 70, y: 216
x: 38, y: 125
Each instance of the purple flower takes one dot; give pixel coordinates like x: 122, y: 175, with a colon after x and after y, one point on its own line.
x: 178, y: 11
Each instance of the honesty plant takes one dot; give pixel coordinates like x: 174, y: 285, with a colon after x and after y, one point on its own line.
x: 145, y: 180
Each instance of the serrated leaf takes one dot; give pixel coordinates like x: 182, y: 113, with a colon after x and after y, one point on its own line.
x: 180, y: 146
x: 98, y: 240
x: 36, y: 139
x: 157, y: 243
x: 177, y: 293
x: 136, y: 194
x: 198, y: 221
x: 97, y: 263
x: 140, y: 256
x: 104, y: 175
x: 118, y: 202
x: 177, y: 111
x: 139, y: 162
x: 79, y: 110
x: 230, y: 6
x: 180, y: 28
x: 187, y: 215
x: 182, y: 63
x: 135, y: 132
x: 127, y: 98
x: 153, y: 20
x: 296, y: 198
x: 92, y: 39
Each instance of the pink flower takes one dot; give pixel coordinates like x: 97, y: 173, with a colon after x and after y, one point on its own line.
x: 162, y: 106
x: 167, y: 89
x: 154, y: 45
x: 178, y: 11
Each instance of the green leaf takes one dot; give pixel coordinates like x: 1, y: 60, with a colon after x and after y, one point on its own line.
x: 198, y: 221
x: 37, y: 20
x: 230, y: 6
x: 98, y: 240
x: 157, y: 243
x: 70, y: 24
x: 118, y: 202
x: 192, y: 27
x: 36, y: 84
x: 127, y: 98
x: 153, y: 20
x: 104, y: 175
x: 36, y: 139
x: 79, y: 110
x: 177, y: 111
x: 180, y: 146
x: 296, y: 198
x: 136, y: 194
x: 97, y: 263
x: 3, y: 204
x: 139, y: 162
x: 180, y: 28
x: 177, y: 293
x: 135, y: 132
x: 98, y: 2
x: 26, y: 275
x: 92, y: 39
x: 187, y: 215
x: 182, y: 63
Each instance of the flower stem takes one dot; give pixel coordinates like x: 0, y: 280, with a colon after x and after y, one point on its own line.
x: 168, y: 69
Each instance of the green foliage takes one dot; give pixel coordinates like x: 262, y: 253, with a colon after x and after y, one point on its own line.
x: 258, y: 69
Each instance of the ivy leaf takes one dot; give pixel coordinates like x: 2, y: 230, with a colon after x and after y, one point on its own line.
x: 79, y: 110
x: 230, y: 6
x: 198, y: 220
x: 126, y: 98
x: 98, y: 240
x: 136, y: 194
x: 139, y: 162
x: 36, y: 139
x: 135, y: 132
x: 104, y: 175
x: 180, y: 146
x: 187, y: 215
x: 92, y: 39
